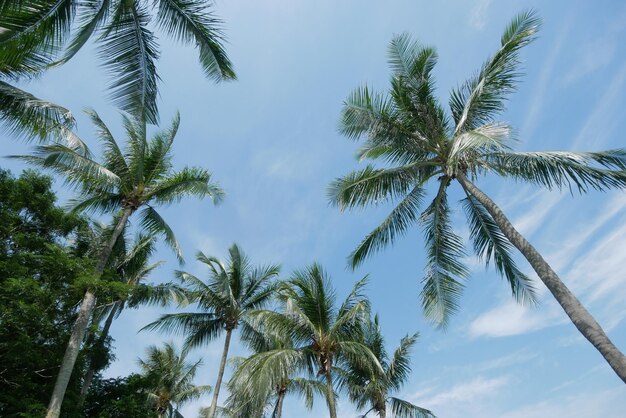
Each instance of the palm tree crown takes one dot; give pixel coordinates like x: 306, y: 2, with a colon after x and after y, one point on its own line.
x: 172, y: 378
x: 140, y: 176
x: 325, y: 335
x: 372, y: 390
x: 259, y: 384
x: 231, y: 293
x: 421, y: 143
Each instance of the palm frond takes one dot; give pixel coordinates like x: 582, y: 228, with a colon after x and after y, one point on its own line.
x: 152, y: 222
x: 93, y: 15
x: 478, y: 100
x: 31, y: 35
x: 490, y: 243
x: 190, y: 181
x: 190, y: 22
x: 405, y: 409
x: 129, y: 52
x: 28, y: 117
x: 399, y: 367
x: 371, y: 186
x: 442, y: 287
x: 396, y: 223
x: 564, y: 169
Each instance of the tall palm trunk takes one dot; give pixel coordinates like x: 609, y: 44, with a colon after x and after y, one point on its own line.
x: 278, y: 410
x: 582, y: 319
x: 220, y: 374
x: 80, y: 326
x: 91, y: 370
x: 330, y: 394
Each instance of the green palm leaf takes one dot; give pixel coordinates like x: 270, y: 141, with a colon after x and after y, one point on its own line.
x: 490, y: 243
x: 129, y: 52
x: 444, y: 269
x: 191, y: 23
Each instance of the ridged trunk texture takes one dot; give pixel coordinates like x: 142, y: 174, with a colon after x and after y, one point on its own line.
x: 582, y: 319
x: 80, y: 326
x: 330, y: 395
x: 220, y: 374
x: 91, y: 370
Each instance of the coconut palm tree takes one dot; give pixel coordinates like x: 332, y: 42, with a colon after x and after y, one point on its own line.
x: 122, y: 184
x: 325, y: 335
x: 372, y: 390
x: 33, y: 35
x: 421, y: 144
x: 234, y: 289
x: 130, y: 266
x: 259, y: 384
x: 172, y: 378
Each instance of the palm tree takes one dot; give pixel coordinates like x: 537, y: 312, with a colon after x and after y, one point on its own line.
x: 130, y: 266
x: 33, y: 34
x: 122, y: 184
x: 420, y: 142
x: 260, y: 384
x: 172, y: 379
x: 373, y: 390
x: 324, y: 335
x: 234, y: 289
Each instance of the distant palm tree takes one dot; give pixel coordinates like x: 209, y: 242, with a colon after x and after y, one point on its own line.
x: 324, y: 334
x: 372, y: 390
x: 172, y: 379
x: 130, y: 266
x: 233, y: 290
x: 33, y: 33
x: 420, y: 143
x: 260, y: 384
x: 122, y: 184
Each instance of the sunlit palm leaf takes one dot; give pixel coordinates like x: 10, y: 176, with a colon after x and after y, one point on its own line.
x: 190, y: 22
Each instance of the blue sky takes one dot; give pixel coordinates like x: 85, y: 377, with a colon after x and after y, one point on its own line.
x: 270, y: 139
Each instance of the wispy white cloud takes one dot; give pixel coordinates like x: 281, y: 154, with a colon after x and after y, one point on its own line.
x: 534, y: 217
x: 478, y: 15
x: 602, y: 121
x: 544, y: 83
x: 603, y: 404
x: 470, y: 391
x: 512, y: 318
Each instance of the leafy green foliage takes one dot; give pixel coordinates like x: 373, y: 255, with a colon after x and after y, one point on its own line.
x: 120, y: 398
x: 42, y: 266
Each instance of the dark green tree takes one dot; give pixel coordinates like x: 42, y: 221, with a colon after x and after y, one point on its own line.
x: 136, y: 179
x: 421, y: 144
x: 44, y: 271
x: 120, y: 397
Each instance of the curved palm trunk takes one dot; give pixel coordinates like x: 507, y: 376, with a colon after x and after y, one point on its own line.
x: 91, y: 370
x: 220, y: 374
x: 278, y: 410
x: 80, y: 326
x: 330, y: 395
x: 582, y: 319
